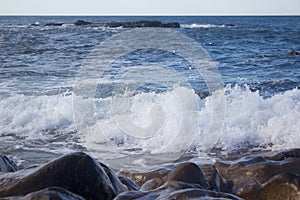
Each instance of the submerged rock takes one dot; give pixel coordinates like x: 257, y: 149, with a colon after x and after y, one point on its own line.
x: 77, y: 172
x: 293, y: 53
x: 229, y: 25
x: 7, y: 165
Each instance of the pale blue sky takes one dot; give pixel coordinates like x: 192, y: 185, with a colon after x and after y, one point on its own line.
x: 150, y: 7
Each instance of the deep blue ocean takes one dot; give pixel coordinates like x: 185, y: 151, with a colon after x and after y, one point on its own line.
x: 142, y: 109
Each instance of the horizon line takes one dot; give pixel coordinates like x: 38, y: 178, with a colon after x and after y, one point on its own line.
x: 154, y: 15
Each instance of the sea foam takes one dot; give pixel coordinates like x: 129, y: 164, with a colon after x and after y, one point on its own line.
x: 202, y: 26
x: 250, y: 120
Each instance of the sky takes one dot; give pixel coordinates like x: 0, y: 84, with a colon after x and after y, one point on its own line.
x: 149, y: 7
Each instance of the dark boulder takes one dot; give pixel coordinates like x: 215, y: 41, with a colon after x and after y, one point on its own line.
x: 188, y: 173
x: 117, y: 184
x: 77, y: 172
x: 7, y: 165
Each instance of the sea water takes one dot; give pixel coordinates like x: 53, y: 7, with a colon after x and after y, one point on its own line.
x: 160, y: 119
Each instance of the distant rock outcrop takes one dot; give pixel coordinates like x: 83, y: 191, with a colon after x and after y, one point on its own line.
x: 81, y: 22
x: 54, y: 24
x: 134, y: 24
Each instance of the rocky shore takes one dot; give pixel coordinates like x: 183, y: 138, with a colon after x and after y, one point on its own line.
x: 271, y: 175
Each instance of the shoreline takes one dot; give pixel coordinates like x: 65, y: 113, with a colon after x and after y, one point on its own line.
x: 268, y: 175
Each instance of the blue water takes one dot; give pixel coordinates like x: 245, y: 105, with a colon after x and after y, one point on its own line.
x: 39, y: 66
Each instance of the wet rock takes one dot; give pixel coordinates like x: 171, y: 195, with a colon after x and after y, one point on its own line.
x: 188, y: 173
x: 293, y: 53
x: 290, y: 153
x: 203, y: 94
x: 54, y: 193
x: 129, y: 183
x: 81, y: 23
x: 76, y: 172
x: 152, y: 184
x: 117, y: 184
x: 185, y: 172
x: 7, y: 165
x: 220, y: 184
x: 244, y: 184
x: 250, y: 174
x: 282, y: 186
x: 259, y: 167
x: 176, y: 190
x: 183, y: 181
x: 142, y: 177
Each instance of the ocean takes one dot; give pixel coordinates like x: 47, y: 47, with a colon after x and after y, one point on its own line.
x: 127, y: 95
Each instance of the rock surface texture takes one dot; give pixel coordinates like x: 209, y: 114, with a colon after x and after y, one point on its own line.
x: 76, y: 176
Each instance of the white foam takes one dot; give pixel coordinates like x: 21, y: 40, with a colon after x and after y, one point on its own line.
x: 201, y: 26
x: 23, y: 115
x: 250, y: 119
x: 254, y: 121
